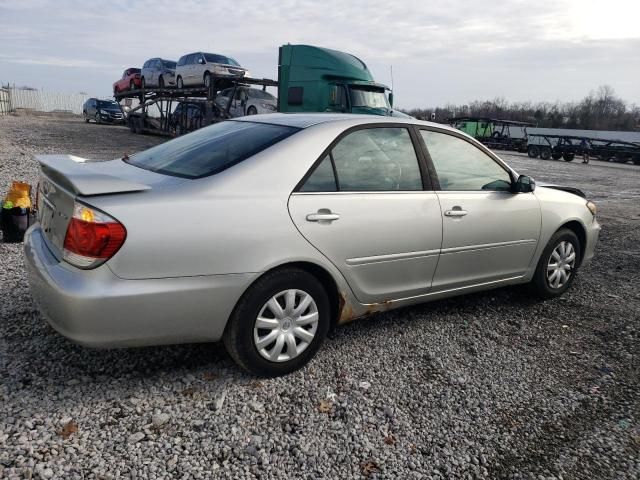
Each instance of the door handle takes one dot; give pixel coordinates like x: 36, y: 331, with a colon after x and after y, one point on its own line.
x: 455, y: 212
x: 323, y: 215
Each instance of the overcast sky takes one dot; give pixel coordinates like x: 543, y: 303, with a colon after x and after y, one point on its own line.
x: 442, y: 52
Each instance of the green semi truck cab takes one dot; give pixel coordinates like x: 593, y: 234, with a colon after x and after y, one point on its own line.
x: 315, y: 79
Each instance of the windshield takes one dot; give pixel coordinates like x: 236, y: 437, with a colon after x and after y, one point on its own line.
x: 367, y: 97
x: 108, y: 104
x: 213, y: 58
x: 169, y: 64
x: 210, y: 150
x: 261, y: 94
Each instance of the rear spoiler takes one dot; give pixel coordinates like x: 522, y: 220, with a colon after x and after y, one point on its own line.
x: 76, y: 175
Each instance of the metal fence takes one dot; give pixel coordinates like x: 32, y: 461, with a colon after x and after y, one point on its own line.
x: 41, y: 100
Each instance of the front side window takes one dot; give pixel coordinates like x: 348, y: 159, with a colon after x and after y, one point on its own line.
x: 373, y: 159
x: 461, y: 166
x: 210, y: 150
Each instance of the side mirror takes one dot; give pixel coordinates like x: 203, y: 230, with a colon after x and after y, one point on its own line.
x: 391, y: 98
x: 524, y: 184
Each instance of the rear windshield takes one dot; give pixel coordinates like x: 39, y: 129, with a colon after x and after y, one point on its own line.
x: 210, y: 150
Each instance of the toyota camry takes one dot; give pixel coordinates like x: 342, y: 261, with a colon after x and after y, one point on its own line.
x: 266, y: 231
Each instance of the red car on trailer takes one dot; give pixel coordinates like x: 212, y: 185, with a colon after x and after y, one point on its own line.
x: 130, y: 81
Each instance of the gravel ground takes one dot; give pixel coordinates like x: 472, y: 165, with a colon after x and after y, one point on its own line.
x: 493, y: 385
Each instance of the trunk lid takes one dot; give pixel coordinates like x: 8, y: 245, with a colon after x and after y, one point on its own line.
x: 65, y: 178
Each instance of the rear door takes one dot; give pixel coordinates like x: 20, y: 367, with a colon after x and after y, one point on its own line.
x: 364, y: 205
x: 489, y: 233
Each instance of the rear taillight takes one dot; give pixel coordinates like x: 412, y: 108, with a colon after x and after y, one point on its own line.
x: 92, y: 237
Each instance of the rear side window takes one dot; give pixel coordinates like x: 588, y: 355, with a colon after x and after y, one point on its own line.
x: 210, y: 150
x: 322, y: 179
x: 374, y: 159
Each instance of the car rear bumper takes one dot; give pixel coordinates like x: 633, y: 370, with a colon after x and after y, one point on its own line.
x: 97, y: 308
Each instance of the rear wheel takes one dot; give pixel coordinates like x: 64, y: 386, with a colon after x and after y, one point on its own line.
x: 558, y: 265
x: 252, y: 110
x: 279, y: 323
x: 556, y: 156
x: 568, y: 157
x: 533, y: 151
x: 545, y: 153
x: 207, y: 79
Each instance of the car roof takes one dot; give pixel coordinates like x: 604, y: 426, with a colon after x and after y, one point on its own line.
x: 305, y: 120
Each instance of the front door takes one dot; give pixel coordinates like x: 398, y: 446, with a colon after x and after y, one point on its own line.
x: 365, y: 208
x: 489, y: 233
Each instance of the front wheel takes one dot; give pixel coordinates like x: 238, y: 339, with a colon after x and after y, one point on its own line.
x: 252, y: 110
x: 279, y: 323
x: 179, y: 83
x: 207, y: 79
x: 558, y: 265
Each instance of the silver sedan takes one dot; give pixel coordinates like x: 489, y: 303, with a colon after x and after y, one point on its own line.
x: 267, y: 231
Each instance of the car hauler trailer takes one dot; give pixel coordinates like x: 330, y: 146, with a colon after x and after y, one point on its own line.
x: 567, y: 147
x: 310, y: 79
x: 494, y: 133
x: 158, y: 110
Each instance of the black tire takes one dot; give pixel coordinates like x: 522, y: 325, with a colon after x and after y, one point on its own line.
x: 161, y: 82
x: 238, y: 335
x: 568, y: 157
x: 206, y: 80
x: 96, y: 118
x: 540, y: 282
x: 556, y: 156
x: 545, y: 153
x: 252, y: 110
x: 84, y: 115
x: 179, y: 83
x: 132, y: 86
x: 533, y: 151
